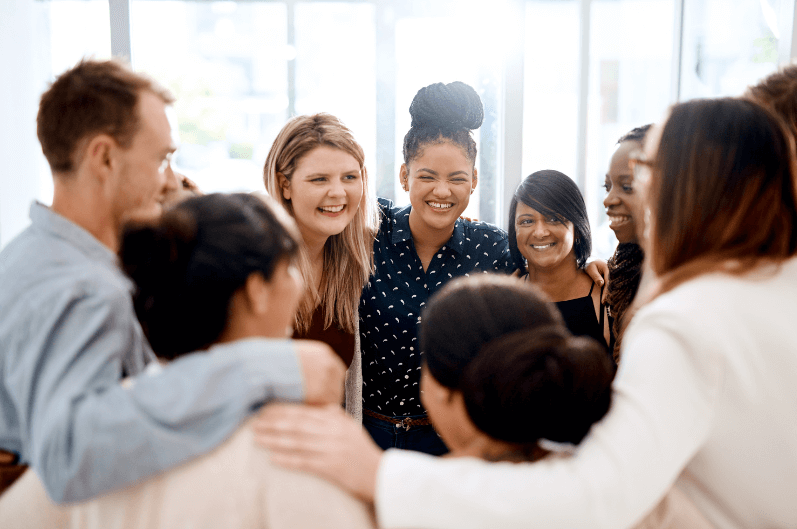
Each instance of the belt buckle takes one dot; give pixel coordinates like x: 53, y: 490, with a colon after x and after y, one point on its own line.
x: 404, y: 423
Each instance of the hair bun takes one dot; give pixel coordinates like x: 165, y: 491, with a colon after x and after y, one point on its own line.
x: 447, y: 106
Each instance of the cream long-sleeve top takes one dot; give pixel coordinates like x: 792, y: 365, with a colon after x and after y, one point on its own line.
x: 705, y: 398
x: 233, y: 487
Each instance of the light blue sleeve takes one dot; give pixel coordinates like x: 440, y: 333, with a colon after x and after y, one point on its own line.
x: 88, y: 434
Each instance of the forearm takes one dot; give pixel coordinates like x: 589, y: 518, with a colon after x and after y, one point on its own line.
x: 661, y: 415
x: 108, y: 436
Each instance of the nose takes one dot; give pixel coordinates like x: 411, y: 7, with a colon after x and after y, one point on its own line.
x: 336, y: 189
x: 611, y: 198
x: 442, y: 189
x: 172, y: 182
x: 541, y: 230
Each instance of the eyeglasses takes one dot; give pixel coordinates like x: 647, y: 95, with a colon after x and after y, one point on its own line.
x: 640, y: 165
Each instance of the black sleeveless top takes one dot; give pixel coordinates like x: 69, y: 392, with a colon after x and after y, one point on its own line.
x: 580, y: 318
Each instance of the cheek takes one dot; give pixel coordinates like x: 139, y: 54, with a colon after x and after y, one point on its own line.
x: 356, y: 195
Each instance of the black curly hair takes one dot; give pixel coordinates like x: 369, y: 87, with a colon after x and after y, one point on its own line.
x: 635, y: 134
x: 443, y: 112
x: 625, y: 267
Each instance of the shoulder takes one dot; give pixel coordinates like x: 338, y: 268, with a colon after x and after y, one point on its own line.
x: 392, y: 217
x: 485, y: 239
x: 389, y: 210
x: 484, y: 230
x: 50, y: 289
x: 725, y: 313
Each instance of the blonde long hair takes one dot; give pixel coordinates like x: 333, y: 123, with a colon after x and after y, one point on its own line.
x: 348, y: 256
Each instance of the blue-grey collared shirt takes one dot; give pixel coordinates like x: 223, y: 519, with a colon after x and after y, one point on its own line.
x: 391, y: 303
x: 68, y: 331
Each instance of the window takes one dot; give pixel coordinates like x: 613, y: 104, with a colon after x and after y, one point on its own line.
x: 560, y: 80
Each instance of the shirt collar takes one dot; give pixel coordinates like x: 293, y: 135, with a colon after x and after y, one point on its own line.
x: 402, y: 233
x: 49, y: 221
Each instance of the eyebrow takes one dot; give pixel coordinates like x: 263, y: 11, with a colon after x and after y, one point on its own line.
x: 425, y: 170
x: 349, y: 171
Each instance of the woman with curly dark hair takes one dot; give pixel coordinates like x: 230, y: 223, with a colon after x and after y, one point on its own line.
x: 624, y: 209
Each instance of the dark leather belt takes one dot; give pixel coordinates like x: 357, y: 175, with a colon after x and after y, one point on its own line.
x: 405, y: 422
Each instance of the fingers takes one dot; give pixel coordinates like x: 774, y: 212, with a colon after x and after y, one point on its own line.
x: 322, y: 370
x: 598, y: 271
x: 291, y: 420
x: 322, y: 440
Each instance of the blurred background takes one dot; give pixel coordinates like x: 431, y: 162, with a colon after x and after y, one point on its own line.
x: 561, y: 80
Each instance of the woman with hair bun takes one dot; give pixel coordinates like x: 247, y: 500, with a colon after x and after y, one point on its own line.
x: 316, y: 170
x: 504, y: 380
x: 502, y: 372
x: 417, y: 250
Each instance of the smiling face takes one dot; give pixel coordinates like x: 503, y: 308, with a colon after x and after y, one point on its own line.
x: 144, y: 175
x: 622, y: 200
x: 544, y: 241
x: 440, y: 182
x: 325, y: 192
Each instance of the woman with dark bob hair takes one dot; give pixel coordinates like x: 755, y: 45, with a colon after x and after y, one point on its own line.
x: 549, y: 236
x: 704, y: 397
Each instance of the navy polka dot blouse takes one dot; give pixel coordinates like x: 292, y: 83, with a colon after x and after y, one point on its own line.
x: 391, y: 304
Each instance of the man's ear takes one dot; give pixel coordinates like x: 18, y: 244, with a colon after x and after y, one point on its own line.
x: 404, y: 176
x: 98, y: 154
x: 285, y: 185
x: 256, y: 293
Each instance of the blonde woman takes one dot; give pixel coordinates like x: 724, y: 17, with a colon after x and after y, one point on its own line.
x: 316, y: 169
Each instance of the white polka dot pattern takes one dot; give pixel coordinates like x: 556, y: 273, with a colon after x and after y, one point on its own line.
x: 391, y: 304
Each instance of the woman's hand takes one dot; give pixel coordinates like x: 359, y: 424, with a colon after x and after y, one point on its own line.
x: 323, y: 441
x: 599, y: 272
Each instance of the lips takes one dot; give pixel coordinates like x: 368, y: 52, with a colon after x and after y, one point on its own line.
x: 439, y: 206
x: 332, y: 209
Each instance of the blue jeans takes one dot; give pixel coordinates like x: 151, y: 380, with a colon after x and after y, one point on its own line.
x: 419, y: 438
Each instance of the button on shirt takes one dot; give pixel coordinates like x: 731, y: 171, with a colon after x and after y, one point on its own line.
x: 68, y: 331
x: 391, y: 304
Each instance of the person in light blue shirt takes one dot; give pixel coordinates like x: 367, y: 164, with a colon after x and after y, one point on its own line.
x: 68, y: 330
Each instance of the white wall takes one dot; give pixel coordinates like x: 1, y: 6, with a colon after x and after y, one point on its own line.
x: 23, y: 58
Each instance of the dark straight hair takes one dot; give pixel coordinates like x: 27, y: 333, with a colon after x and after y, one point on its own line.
x: 553, y: 194
x: 187, y: 266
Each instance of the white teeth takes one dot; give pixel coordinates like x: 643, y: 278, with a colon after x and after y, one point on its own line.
x: 542, y: 246
x: 332, y: 209
x: 439, y: 205
x: 618, y: 219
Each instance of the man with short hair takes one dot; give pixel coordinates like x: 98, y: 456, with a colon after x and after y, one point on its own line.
x: 68, y: 330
